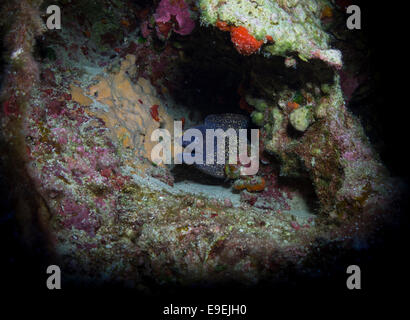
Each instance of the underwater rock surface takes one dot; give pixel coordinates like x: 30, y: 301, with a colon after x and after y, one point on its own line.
x: 77, y: 119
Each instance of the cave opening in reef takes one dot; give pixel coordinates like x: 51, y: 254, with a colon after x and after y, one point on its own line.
x: 214, y: 75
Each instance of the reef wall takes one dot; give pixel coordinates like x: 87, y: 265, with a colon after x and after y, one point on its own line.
x: 77, y: 117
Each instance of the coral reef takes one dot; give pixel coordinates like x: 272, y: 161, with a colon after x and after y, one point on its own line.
x: 244, y: 42
x: 130, y: 115
x: 333, y: 150
x: 79, y: 107
x: 294, y: 26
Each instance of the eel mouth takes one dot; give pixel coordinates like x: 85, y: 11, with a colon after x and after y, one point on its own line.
x: 79, y: 112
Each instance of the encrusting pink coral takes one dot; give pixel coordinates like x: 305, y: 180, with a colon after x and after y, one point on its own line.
x: 173, y: 15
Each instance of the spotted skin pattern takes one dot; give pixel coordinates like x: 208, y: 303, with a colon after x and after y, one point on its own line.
x: 217, y: 121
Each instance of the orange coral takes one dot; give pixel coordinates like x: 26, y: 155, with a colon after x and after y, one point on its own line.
x: 244, y: 42
x: 239, y: 185
x: 256, y: 187
x: 293, y: 105
x: 269, y: 38
x: 251, y: 185
x: 223, y: 26
x: 327, y: 12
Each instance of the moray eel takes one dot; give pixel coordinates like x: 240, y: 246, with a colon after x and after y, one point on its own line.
x: 217, y: 121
